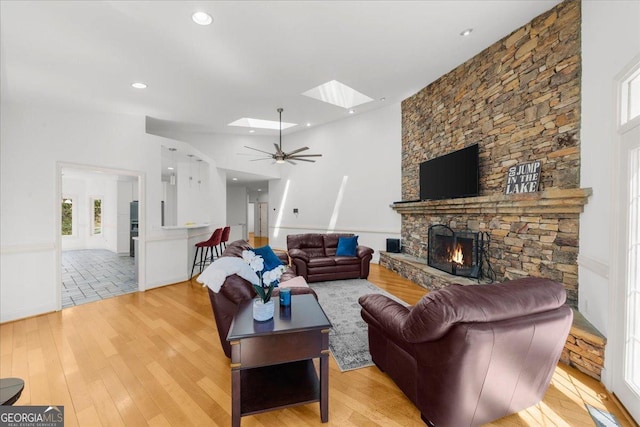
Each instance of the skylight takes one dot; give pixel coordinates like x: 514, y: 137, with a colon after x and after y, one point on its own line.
x: 261, y: 124
x: 337, y: 93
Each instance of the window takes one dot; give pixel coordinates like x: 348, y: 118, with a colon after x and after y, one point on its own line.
x: 67, y: 216
x: 96, y: 216
x: 631, y: 96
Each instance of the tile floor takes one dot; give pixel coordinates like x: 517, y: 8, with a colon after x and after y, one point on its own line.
x: 94, y: 274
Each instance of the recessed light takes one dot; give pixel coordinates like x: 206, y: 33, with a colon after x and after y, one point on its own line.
x: 202, y: 18
x: 170, y: 168
x: 259, y: 189
x: 352, y: 111
x: 308, y: 125
x: 234, y: 179
x: 466, y: 32
x: 383, y: 99
x: 252, y: 131
x: 139, y: 85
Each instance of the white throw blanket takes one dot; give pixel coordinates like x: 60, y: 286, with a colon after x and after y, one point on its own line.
x: 215, y: 274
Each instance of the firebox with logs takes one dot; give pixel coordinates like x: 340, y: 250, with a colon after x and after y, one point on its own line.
x: 456, y: 252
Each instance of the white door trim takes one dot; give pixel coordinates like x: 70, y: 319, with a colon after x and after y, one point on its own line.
x: 617, y: 310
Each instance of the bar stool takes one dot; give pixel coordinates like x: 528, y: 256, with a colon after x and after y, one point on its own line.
x: 225, y: 237
x: 203, y: 247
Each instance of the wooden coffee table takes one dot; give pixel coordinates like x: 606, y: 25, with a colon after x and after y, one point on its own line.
x: 272, y: 362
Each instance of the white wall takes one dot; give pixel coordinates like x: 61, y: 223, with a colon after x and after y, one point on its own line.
x: 192, y: 193
x: 360, y: 169
x: 237, y: 211
x: 37, y: 140
x: 170, y: 203
x: 610, y: 40
x: 110, y: 216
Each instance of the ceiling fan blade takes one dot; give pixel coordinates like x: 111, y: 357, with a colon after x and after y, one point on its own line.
x: 304, y: 160
x: 298, y: 150
x: 292, y: 162
x: 255, y: 149
x: 263, y: 158
x: 278, y: 150
x: 305, y: 155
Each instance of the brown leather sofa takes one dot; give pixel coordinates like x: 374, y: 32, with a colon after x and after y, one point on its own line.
x: 236, y: 290
x: 467, y: 355
x: 313, y: 257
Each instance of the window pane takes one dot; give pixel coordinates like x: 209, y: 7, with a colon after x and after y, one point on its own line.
x: 67, y: 218
x: 634, y: 97
x: 97, y: 216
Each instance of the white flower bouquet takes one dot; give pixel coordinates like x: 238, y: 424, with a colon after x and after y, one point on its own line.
x: 267, y: 279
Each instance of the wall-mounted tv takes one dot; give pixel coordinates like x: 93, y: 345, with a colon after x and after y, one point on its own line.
x: 450, y: 176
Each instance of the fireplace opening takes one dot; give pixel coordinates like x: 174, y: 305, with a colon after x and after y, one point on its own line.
x: 456, y: 252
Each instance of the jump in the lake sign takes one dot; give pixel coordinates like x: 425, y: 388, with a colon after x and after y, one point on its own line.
x: 523, y: 178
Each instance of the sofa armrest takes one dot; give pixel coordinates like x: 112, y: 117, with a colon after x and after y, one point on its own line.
x: 389, y: 314
x: 295, y: 291
x: 299, y: 254
x: 363, y: 251
x: 236, y: 289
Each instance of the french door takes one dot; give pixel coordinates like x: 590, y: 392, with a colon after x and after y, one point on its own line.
x: 626, y: 263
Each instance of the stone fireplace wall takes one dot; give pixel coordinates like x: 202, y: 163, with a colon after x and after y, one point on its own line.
x: 519, y: 100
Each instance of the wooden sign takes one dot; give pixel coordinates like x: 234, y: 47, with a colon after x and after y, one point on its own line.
x: 523, y: 178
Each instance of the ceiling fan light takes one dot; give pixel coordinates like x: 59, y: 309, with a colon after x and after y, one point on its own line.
x: 280, y: 156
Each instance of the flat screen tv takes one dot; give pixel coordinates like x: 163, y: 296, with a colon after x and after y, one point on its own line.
x: 450, y: 176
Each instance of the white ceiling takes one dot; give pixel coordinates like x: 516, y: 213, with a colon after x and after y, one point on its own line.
x: 255, y: 57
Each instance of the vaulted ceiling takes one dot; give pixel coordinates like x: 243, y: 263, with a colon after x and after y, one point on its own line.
x: 256, y: 56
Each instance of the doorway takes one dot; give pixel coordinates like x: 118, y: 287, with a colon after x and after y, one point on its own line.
x: 94, y: 234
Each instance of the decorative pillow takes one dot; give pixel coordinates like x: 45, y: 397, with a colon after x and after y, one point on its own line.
x: 269, y: 257
x: 296, y: 282
x: 347, y: 246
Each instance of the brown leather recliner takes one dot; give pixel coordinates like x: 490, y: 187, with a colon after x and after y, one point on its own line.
x: 467, y: 355
x: 236, y: 290
x: 313, y: 257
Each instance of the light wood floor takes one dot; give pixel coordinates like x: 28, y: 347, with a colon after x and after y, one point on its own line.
x: 257, y: 242
x: 154, y: 358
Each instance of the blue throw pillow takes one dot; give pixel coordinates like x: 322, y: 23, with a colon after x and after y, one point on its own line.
x: 347, y: 246
x: 269, y: 257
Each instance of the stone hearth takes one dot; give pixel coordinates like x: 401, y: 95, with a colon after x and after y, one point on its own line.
x: 532, y: 234
x: 417, y: 270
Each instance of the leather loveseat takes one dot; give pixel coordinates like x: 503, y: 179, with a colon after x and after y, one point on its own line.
x: 313, y: 257
x: 467, y: 355
x: 236, y: 290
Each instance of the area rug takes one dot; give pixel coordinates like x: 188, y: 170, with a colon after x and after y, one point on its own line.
x: 602, y: 418
x: 348, y: 340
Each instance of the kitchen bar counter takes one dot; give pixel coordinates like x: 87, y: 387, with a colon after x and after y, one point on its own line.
x: 184, y: 227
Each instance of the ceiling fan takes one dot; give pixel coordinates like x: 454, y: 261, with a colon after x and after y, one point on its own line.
x: 280, y: 156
